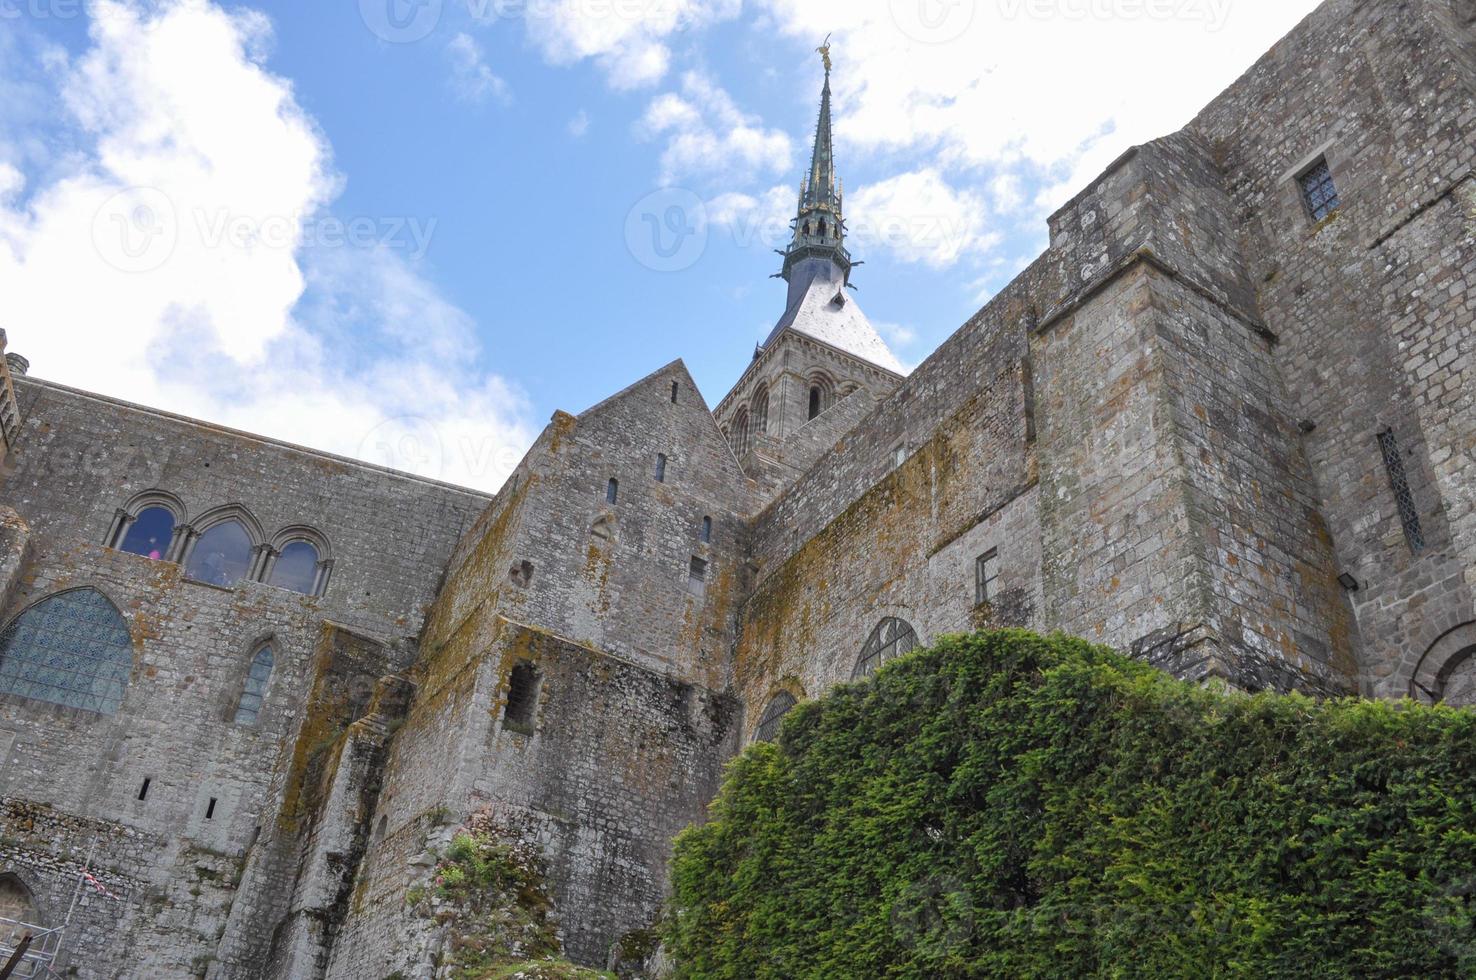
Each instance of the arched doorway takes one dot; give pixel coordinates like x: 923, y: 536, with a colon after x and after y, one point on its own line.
x: 1446, y: 673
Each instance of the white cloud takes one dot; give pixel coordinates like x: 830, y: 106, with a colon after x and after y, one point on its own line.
x: 579, y: 124
x: 920, y: 218
x: 471, y: 78
x: 754, y: 222
x: 628, y: 39
x: 895, y: 333
x: 708, y: 136
x: 166, y: 261
x: 1048, y: 89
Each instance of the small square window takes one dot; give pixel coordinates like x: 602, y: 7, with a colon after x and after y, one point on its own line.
x: 660, y: 473
x: 1319, y: 193
x: 697, y: 576
x: 986, y: 573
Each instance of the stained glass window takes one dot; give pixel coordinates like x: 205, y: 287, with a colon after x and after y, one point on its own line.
x: 1319, y: 192
x: 72, y: 648
x: 254, y: 692
x: 149, y: 533
x: 222, y: 556
x: 891, y: 638
x: 773, y: 716
x: 296, y: 568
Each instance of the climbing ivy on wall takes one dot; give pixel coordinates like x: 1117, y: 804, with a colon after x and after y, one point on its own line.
x: 1011, y: 805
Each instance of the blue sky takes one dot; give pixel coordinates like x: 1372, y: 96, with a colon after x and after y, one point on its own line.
x: 409, y: 230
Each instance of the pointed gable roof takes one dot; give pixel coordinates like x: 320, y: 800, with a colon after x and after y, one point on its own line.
x: 824, y: 310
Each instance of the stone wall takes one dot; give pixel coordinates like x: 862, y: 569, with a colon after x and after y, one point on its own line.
x: 188, y: 863
x: 1373, y: 306
x: 614, y: 760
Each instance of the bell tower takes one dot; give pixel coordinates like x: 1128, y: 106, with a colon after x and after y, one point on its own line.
x: 823, y: 365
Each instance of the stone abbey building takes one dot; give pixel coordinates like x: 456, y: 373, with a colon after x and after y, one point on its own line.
x: 1226, y: 422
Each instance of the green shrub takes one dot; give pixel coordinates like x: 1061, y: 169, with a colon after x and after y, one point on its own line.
x: 1010, y: 805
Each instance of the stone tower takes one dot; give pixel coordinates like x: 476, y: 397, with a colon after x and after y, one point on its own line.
x: 796, y: 397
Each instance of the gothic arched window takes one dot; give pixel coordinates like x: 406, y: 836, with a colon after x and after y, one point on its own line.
x: 149, y: 533
x: 773, y: 716
x: 222, y: 556
x: 72, y: 648
x: 253, y: 692
x: 891, y: 638
x: 296, y: 568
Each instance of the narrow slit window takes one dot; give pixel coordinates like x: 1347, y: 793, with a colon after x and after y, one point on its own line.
x: 660, y: 472
x: 1319, y: 193
x: 210, y: 809
x: 707, y: 530
x: 143, y: 791
x: 674, y: 389
x: 986, y: 572
x: 814, y: 401
x: 253, y: 692
x: 1409, y: 515
x: 612, y: 491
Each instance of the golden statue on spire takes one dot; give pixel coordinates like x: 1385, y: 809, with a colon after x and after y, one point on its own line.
x: 824, y: 50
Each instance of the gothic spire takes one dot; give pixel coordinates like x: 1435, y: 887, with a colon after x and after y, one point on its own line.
x: 819, y: 225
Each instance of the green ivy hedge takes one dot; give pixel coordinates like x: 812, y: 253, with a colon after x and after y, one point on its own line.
x: 1012, y: 805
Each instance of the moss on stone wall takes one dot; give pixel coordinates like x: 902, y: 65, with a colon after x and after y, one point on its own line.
x: 487, y: 893
x: 1005, y: 805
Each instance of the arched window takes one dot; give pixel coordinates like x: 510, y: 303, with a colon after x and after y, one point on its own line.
x: 612, y: 491
x: 296, y: 568
x: 773, y: 716
x: 72, y: 648
x: 222, y: 556
x: 741, y: 432
x: 814, y: 401
x: 822, y: 227
x: 253, y: 693
x: 149, y: 534
x: 760, y: 410
x: 891, y: 638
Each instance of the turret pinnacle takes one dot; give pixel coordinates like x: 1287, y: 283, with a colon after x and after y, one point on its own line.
x: 819, y: 225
